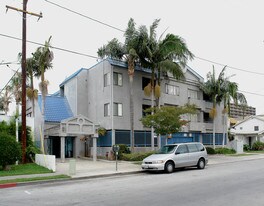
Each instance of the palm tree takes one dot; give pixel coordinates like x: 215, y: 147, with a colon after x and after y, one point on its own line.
x: 43, y: 57
x: 16, y: 86
x: 6, y: 99
x: 32, y: 93
x: 213, y: 87
x: 230, y: 92
x: 161, y: 55
x: 127, y: 51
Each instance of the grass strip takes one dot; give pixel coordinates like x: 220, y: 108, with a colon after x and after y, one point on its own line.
x: 24, y: 169
x: 54, y: 177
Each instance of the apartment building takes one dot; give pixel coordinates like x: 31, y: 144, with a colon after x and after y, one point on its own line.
x: 99, y: 96
x: 241, y: 111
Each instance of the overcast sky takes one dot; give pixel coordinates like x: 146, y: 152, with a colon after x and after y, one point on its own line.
x: 228, y: 32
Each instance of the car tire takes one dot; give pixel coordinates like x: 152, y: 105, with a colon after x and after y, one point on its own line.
x: 201, y: 164
x: 169, y: 167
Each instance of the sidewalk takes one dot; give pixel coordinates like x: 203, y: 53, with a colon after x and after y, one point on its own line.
x: 86, y: 168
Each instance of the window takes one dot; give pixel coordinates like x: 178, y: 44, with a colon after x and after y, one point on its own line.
x: 172, y: 90
x: 192, y: 148
x: 200, y: 147
x: 145, y: 82
x: 106, y: 79
x: 118, y: 109
x: 193, y: 117
x: 182, y: 149
x: 118, y: 79
x: 193, y: 94
x: 256, y: 128
x: 107, y: 110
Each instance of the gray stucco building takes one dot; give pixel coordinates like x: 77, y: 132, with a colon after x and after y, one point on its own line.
x: 100, y: 95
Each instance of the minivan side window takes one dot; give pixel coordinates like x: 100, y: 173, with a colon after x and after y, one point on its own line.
x: 192, y: 148
x: 200, y: 147
x: 182, y: 149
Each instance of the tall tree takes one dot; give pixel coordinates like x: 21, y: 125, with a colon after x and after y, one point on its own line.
x: 6, y: 99
x: 16, y: 86
x: 213, y: 87
x: 230, y: 93
x: 32, y: 93
x: 161, y: 55
x: 43, y: 57
x: 127, y: 51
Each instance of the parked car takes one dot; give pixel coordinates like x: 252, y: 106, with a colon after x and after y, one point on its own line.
x: 174, y: 156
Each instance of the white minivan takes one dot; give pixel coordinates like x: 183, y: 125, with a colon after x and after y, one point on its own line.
x: 174, y: 156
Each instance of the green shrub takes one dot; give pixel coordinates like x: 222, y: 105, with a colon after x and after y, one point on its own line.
x: 225, y: 151
x: 10, y: 150
x: 210, y: 150
x: 136, y: 156
x: 246, y: 147
x: 123, y: 149
x: 258, y: 145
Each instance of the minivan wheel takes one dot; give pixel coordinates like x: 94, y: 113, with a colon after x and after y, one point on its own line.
x: 201, y: 164
x: 169, y: 167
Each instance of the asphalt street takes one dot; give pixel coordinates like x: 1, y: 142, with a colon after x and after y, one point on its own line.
x: 235, y: 183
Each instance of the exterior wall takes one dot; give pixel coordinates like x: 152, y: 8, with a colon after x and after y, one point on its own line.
x: 248, y: 126
x: 70, y: 91
x: 98, y: 95
x: 82, y: 94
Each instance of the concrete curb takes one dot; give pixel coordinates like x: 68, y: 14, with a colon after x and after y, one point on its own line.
x: 214, y: 162
x: 19, y: 184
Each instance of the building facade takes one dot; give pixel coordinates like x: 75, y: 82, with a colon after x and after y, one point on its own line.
x: 241, y: 111
x: 101, y: 94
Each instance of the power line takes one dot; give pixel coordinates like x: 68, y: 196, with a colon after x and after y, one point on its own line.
x: 7, y: 63
x: 58, y: 48
x: 9, y: 80
x: 203, y: 59
x: 91, y: 56
x: 235, y: 68
x: 75, y: 12
x: 253, y: 93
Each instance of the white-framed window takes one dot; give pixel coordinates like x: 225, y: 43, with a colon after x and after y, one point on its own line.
x: 106, y: 79
x: 256, y: 128
x: 172, y: 90
x: 193, y: 117
x: 107, y: 110
x: 118, y: 109
x: 118, y: 79
x: 192, y: 94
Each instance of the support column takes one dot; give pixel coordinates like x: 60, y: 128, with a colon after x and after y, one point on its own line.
x: 94, y: 148
x: 113, y: 136
x: 62, y: 141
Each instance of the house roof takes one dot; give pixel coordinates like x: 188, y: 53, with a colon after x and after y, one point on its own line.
x: 71, y: 76
x: 147, y: 70
x: 259, y: 117
x: 56, y: 108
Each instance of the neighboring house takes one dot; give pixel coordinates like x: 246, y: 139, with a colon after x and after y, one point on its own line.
x: 249, y: 130
x: 100, y: 95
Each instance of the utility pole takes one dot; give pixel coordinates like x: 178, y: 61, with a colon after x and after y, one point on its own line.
x: 24, y: 73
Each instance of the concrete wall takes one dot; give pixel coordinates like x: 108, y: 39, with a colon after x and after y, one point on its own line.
x: 47, y: 161
x: 82, y: 93
x: 98, y: 95
x: 70, y: 91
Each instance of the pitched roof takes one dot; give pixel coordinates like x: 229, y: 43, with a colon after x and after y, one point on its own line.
x: 72, y: 76
x: 147, y: 70
x: 56, y: 108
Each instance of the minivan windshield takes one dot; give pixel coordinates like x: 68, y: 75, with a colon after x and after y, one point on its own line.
x: 167, y: 149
